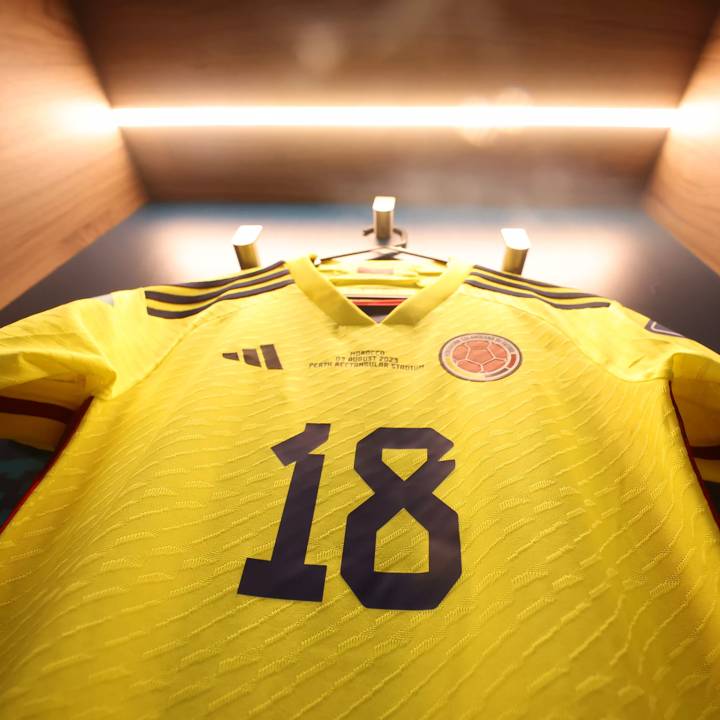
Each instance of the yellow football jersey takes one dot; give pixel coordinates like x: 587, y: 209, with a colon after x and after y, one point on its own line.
x: 265, y: 503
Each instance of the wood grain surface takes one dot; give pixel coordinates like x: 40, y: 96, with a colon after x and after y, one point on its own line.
x: 684, y: 194
x: 64, y: 178
x: 394, y: 51
x: 174, y: 52
x: 537, y: 168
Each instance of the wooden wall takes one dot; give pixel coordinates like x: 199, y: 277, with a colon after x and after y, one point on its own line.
x: 65, y: 175
x: 615, y: 52
x: 315, y: 52
x: 684, y: 194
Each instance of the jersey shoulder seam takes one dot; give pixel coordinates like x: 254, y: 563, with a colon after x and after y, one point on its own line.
x: 244, y: 284
x: 569, y: 337
x: 203, y: 317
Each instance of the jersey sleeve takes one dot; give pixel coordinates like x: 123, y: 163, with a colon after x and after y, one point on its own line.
x: 642, y: 349
x: 53, y: 362
x: 695, y: 387
x: 693, y: 373
x: 636, y: 348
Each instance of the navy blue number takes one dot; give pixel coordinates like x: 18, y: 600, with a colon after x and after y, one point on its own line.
x: 286, y: 575
x: 391, y: 590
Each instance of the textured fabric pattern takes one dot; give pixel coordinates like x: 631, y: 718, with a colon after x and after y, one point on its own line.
x: 590, y: 561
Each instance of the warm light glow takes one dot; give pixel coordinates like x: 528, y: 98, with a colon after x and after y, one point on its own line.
x: 698, y: 118
x: 384, y: 203
x: 461, y: 116
x: 515, y: 238
x: 85, y: 118
x: 247, y: 234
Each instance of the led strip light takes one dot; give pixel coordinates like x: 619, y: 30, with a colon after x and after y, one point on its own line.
x: 460, y: 117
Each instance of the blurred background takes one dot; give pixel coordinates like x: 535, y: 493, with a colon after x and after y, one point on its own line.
x: 90, y: 204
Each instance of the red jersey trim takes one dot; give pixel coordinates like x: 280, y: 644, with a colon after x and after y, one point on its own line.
x: 62, y: 444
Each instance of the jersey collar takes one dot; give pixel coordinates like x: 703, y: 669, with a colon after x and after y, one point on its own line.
x: 333, y: 303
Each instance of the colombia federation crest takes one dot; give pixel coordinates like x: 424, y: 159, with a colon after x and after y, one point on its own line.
x: 480, y: 357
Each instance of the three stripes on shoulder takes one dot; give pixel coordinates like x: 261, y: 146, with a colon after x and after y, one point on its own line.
x: 517, y: 286
x: 564, y: 299
x: 193, y: 297
x: 206, y: 293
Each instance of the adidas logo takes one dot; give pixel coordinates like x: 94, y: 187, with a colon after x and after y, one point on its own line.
x: 251, y: 357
